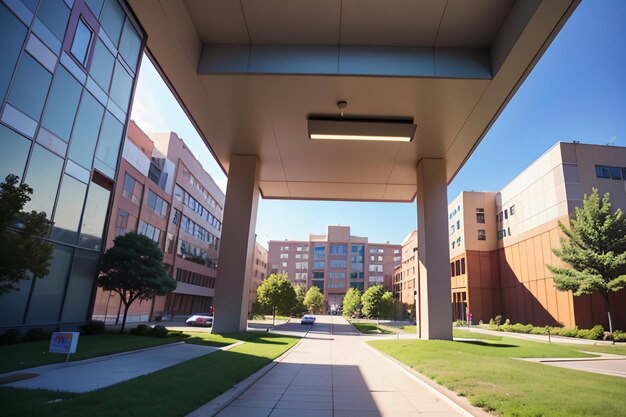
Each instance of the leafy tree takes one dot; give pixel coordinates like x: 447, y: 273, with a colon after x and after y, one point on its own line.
x: 299, y: 307
x: 134, y: 269
x: 595, y: 249
x: 351, y: 302
x: 277, y: 292
x: 314, y: 299
x: 377, y: 302
x: 22, y: 251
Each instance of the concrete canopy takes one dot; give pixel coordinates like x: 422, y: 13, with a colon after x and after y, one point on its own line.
x: 250, y: 72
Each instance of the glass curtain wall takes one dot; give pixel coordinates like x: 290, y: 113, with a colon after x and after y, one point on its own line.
x: 67, y: 75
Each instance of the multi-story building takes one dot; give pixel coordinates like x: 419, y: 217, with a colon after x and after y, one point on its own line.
x: 407, y: 272
x: 335, y: 262
x: 258, y: 272
x: 167, y: 196
x: 67, y: 75
x: 499, y: 255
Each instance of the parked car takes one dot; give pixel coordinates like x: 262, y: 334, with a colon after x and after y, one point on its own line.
x: 307, y: 319
x: 200, y: 319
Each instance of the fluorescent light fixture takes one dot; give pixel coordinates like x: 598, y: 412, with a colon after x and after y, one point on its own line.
x: 386, y: 130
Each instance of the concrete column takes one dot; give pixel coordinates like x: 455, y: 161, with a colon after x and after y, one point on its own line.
x: 435, y: 307
x: 232, y: 286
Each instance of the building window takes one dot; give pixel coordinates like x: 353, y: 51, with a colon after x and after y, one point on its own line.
x: 338, y: 263
x: 81, y: 45
x: 462, y: 266
x: 150, y: 231
x: 480, y: 215
x: 338, y: 249
x: 318, y: 265
x: 284, y: 264
x: 458, y: 225
x: 512, y: 209
x: 132, y: 189
x: 506, y: 214
x: 121, y: 223
x: 157, y: 204
x: 284, y: 248
x: 481, y: 234
x: 284, y: 256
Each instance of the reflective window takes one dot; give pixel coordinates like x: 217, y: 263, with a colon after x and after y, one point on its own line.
x: 102, y: 65
x: 68, y: 210
x: 43, y: 175
x: 157, y: 204
x: 133, y: 189
x: 30, y: 87
x: 81, y: 42
x: 85, y: 133
x: 14, y: 152
x: 54, y: 14
x: 94, y: 217
x: 31, y: 4
x: 45, y: 302
x: 80, y: 286
x: 109, y: 145
x: 121, y: 86
x: 62, y: 103
x: 150, y: 231
x: 12, y: 308
x: 12, y: 35
x: 130, y: 44
x: 95, y: 6
x: 112, y: 19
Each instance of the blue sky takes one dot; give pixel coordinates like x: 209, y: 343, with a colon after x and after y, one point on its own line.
x: 577, y: 91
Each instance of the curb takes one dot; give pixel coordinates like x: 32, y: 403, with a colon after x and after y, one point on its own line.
x: 459, y: 404
x: 222, y: 401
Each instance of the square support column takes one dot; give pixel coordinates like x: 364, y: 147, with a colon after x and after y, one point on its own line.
x: 435, y: 315
x: 232, y: 286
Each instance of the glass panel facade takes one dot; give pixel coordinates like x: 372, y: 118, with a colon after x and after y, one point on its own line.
x: 94, y: 217
x: 62, y: 103
x: 86, y: 128
x: 81, y: 42
x: 58, y: 100
x: 14, y: 152
x: 30, y: 87
x: 12, y: 36
x: 130, y: 44
x: 69, y: 208
x: 48, y: 293
x: 43, y: 175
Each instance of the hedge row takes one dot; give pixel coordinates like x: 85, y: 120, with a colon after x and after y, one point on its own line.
x: 595, y: 333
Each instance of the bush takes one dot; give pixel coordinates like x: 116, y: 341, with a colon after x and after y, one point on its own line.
x: 141, y: 330
x: 541, y: 330
x: 594, y: 333
x: 93, y: 327
x: 567, y: 332
x: 460, y: 323
x: 35, y: 334
x: 619, y: 336
x: 159, y: 331
x: 10, y: 337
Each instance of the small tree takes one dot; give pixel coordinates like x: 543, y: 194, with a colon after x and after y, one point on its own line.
x: 314, y: 299
x: 595, y: 249
x: 376, y: 302
x: 299, y: 307
x: 134, y: 269
x: 386, y: 305
x: 351, y: 302
x: 277, y: 292
x: 23, y: 252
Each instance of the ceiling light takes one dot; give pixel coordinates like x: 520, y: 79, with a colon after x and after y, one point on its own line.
x: 325, y: 128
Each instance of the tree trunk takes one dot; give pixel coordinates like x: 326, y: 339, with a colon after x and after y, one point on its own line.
x: 126, y: 307
x: 607, y: 301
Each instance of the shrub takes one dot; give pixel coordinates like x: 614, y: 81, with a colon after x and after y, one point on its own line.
x: 460, y: 323
x: 35, y: 334
x: 159, y: 331
x: 594, y: 333
x: 498, y: 320
x: 93, y: 327
x: 619, y: 336
x: 540, y: 330
x: 141, y: 330
x: 567, y: 332
x: 10, y: 337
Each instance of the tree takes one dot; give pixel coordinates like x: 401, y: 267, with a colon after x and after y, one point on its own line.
x: 314, y: 299
x: 23, y: 252
x: 277, y: 292
x: 595, y: 249
x: 351, y: 302
x: 377, y: 302
x: 299, y: 308
x: 134, y: 269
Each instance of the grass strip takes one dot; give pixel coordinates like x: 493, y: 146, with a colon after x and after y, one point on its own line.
x: 174, y: 391
x: 369, y: 328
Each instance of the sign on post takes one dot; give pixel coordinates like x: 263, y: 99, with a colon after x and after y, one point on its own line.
x: 64, y: 342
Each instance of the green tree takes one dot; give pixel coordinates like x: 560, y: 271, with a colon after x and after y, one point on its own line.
x: 351, y: 302
x: 299, y: 307
x: 134, y: 269
x: 314, y: 299
x: 595, y: 249
x: 23, y: 254
x: 376, y: 302
x: 277, y: 292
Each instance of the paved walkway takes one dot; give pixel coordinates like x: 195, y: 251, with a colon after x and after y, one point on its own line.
x: 92, y: 374
x: 333, y: 373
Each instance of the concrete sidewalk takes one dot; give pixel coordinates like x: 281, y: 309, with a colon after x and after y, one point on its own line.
x: 333, y: 373
x: 96, y: 373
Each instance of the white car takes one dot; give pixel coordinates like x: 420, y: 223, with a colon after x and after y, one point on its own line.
x: 307, y: 319
x: 200, y: 319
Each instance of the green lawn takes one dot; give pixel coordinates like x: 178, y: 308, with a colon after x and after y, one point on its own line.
x: 174, y: 391
x: 28, y: 355
x: 369, y: 328
x: 485, y: 372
